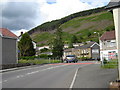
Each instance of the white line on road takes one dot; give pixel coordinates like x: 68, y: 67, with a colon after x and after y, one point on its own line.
x: 5, y: 81
x: 74, y: 78
x: 30, y: 73
x: 44, y: 69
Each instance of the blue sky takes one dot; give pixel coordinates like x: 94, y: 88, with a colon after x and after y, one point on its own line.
x: 22, y: 15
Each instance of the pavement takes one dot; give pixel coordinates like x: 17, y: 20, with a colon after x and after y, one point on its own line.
x: 18, y: 68
x: 63, y: 75
x: 93, y: 76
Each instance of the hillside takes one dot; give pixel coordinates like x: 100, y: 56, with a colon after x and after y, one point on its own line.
x: 83, y: 26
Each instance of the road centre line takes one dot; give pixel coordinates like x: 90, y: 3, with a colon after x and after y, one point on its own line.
x: 75, y: 75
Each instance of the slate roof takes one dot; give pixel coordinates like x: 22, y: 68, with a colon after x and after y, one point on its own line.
x: 113, y: 4
x: 7, y: 33
x: 110, y: 35
x: 86, y: 45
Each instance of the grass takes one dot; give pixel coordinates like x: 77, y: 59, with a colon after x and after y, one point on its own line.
x: 104, y: 16
x: 44, y: 61
x: 76, y: 22
x: 43, y: 36
x: 111, y: 64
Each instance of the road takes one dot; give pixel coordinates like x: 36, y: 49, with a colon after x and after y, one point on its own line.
x: 52, y: 76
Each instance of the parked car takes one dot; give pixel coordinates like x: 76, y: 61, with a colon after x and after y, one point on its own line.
x: 71, y: 58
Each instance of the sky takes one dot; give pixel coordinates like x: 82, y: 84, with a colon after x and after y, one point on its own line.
x: 23, y: 15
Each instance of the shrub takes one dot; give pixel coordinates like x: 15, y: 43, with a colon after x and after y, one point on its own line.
x: 84, y: 58
x: 34, y: 57
x: 104, y: 61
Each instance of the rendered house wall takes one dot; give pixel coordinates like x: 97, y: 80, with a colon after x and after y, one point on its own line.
x: 9, y: 55
x: 116, y: 14
x: 0, y: 50
x: 0, y: 60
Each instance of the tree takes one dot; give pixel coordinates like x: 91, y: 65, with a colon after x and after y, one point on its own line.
x: 71, y: 45
x: 25, y: 46
x: 74, y: 39
x: 88, y: 34
x: 58, y: 44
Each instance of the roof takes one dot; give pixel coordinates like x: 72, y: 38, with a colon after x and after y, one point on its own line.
x: 87, y: 45
x: 7, y: 33
x: 68, y: 50
x: 113, y: 4
x: 110, y: 35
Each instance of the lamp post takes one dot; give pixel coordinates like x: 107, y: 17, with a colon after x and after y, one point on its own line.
x: 114, y: 5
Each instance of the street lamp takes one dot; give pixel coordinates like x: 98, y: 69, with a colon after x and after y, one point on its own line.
x: 114, y: 5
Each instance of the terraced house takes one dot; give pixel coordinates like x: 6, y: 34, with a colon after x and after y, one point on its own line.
x: 8, y: 47
x: 108, y: 46
x: 90, y: 50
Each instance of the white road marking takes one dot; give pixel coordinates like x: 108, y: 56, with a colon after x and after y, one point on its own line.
x: 5, y: 81
x: 74, y: 78
x: 73, y: 81
x: 44, y: 69
x: 20, y: 76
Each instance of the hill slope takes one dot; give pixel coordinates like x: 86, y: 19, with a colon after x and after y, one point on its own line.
x: 84, y: 27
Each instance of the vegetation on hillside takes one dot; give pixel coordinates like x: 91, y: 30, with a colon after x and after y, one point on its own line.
x: 82, y: 24
x: 48, y: 26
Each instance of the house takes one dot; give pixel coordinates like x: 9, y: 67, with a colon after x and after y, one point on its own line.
x: 90, y: 50
x: 8, y: 47
x: 39, y: 48
x: 114, y: 5
x: 108, y: 47
x: 74, y: 45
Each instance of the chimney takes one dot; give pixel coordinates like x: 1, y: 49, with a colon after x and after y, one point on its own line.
x: 21, y: 33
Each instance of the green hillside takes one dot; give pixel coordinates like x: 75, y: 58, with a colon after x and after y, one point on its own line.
x: 84, y: 27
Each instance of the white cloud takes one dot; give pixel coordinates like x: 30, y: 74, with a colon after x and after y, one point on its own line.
x: 61, y: 9
x: 18, y: 32
x: 96, y: 3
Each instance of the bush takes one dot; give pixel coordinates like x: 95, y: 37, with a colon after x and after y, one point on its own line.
x: 105, y: 61
x: 110, y: 64
x: 34, y: 57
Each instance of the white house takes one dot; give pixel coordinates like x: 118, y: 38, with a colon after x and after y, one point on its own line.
x: 114, y: 5
x: 39, y: 48
x: 108, y: 47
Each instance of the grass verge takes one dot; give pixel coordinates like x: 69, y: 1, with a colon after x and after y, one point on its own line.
x: 110, y: 64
